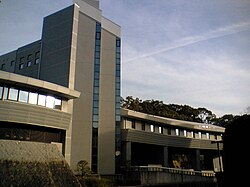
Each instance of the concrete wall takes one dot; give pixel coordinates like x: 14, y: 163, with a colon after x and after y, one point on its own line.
x: 56, y: 46
x: 106, y: 141
x: 32, y: 114
x: 25, y: 54
x: 84, y: 73
x: 7, y: 61
x: 67, y: 59
x: 165, y: 140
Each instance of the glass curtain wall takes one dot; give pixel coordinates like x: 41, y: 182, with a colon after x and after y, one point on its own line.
x: 118, y: 106
x: 95, y: 117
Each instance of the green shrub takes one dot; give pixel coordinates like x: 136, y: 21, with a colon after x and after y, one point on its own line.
x: 92, y: 181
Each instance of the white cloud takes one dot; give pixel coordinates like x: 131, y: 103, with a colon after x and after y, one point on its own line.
x: 219, y: 32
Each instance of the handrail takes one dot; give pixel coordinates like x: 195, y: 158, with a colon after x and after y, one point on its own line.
x: 206, y: 173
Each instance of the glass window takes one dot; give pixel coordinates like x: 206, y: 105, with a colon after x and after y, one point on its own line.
x: 37, y: 60
x: 13, y: 93
x: 152, y: 128
x: 199, y: 135
x: 118, y: 111
x: 95, y: 111
x: 117, y: 55
x: 97, y: 68
x: 185, y: 133
x: 118, y: 43
x: 96, y: 97
x: 97, y: 61
x: 96, y: 82
x: 117, y: 92
x: 98, y: 42
x: 96, y: 104
x: 41, y: 100
x: 21, y: 66
x: 33, y: 98
x: 96, y: 90
x: 97, y: 48
x: 177, y: 132
x: 208, y: 135
x: 58, y: 103
x: 23, y: 96
x: 117, y: 79
x: 97, y: 55
x: 117, y: 118
x: 29, y: 63
x: 95, y: 124
x: 95, y: 117
x: 160, y: 130
x: 12, y: 63
x: 117, y: 105
x: 98, y: 35
x: 1, y: 92
x: 50, y: 100
x: 192, y: 134
x: 96, y: 75
x: 5, y: 92
x: 133, y: 124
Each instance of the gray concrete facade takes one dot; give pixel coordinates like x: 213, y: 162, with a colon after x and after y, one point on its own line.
x: 143, y: 134
x: 66, y: 56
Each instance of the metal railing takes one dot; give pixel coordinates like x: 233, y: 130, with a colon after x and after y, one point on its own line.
x: 205, y: 173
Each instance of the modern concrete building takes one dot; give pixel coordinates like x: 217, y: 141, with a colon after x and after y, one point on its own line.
x: 79, y: 52
x: 149, y: 140
x: 65, y: 89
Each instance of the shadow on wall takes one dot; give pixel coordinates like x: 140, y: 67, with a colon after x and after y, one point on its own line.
x: 236, y: 159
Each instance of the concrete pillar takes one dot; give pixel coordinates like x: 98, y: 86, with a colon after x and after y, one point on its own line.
x: 165, y: 158
x: 196, y: 160
x: 128, y: 154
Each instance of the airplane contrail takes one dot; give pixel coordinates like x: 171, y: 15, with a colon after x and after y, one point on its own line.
x: 217, y: 33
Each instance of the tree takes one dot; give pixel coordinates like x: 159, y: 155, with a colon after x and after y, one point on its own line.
x: 83, y: 168
x: 206, y: 115
x: 225, y: 120
x: 156, y: 107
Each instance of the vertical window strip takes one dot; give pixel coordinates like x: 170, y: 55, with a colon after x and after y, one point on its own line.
x: 95, y: 114
x: 117, y: 103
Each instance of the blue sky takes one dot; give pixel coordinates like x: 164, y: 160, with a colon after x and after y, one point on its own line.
x: 194, y: 52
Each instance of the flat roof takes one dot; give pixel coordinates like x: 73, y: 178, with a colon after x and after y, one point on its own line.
x: 39, y: 85
x: 170, y: 121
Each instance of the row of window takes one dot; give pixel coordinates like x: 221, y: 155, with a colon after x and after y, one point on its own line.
x: 14, y: 94
x: 29, y: 63
x: 3, y: 65
x: 29, y: 60
x: 176, y: 131
x: 21, y: 65
x: 22, y: 61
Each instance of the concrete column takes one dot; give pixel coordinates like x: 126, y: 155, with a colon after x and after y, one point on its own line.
x: 128, y: 154
x: 196, y: 160
x: 165, y: 158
